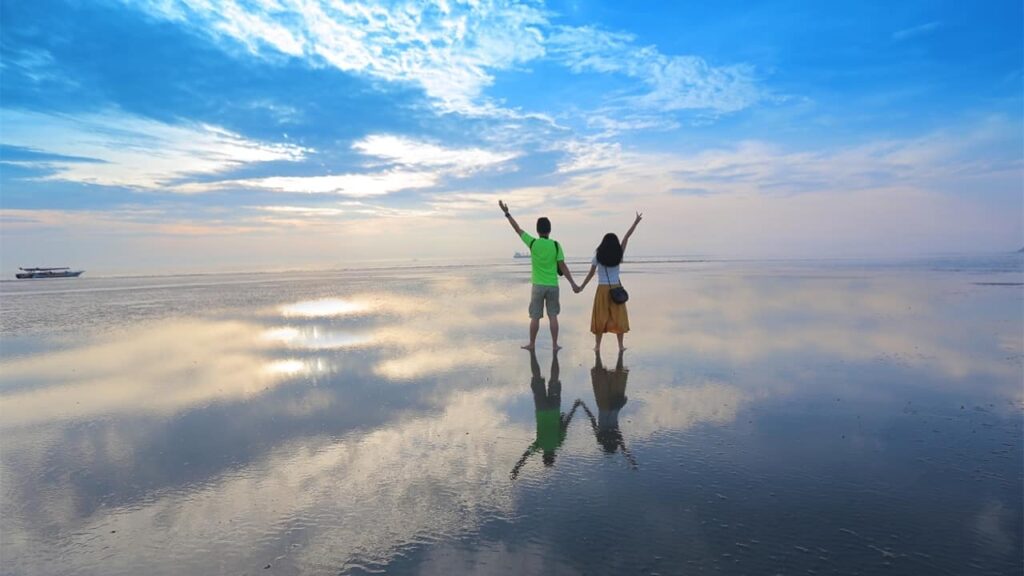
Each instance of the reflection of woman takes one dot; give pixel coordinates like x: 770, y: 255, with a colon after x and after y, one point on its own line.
x: 607, y: 315
x: 610, y: 395
x: 552, y: 425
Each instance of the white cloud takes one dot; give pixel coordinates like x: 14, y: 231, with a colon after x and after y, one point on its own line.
x: 943, y: 191
x: 453, y: 49
x: 353, y: 185
x: 251, y: 29
x: 421, y: 154
x: 304, y: 210
x: 38, y: 66
x: 134, y: 151
x: 137, y: 152
x: 613, y: 124
x: 674, y: 82
x: 449, y: 49
x: 309, y: 216
x: 589, y: 155
x: 926, y: 163
x: 915, y: 31
x: 420, y: 165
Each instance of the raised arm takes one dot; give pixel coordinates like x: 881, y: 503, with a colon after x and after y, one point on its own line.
x: 629, y: 232
x: 511, y: 220
x: 522, y: 460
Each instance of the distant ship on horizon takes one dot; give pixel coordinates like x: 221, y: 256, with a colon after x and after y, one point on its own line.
x: 520, y: 255
x: 27, y: 273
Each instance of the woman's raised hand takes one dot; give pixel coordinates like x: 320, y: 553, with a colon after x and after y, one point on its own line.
x: 639, y: 216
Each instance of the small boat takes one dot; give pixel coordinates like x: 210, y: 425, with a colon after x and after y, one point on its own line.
x: 520, y: 255
x: 47, y: 273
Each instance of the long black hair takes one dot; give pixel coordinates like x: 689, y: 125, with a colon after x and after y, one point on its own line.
x: 609, y: 253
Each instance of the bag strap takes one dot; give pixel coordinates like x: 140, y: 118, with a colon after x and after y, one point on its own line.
x: 558, y: 248
x: 606, y: 275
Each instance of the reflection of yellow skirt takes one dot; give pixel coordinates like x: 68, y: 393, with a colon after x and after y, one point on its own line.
x: 607, y: 315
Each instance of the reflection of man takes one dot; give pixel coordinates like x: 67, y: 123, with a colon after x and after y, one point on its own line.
x: 551, y: 423
x: 610, y: 395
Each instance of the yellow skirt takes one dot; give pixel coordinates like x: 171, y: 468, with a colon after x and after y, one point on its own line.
x: 607, y: 315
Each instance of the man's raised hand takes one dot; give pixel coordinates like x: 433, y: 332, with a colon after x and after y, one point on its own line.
x: 511, y: 220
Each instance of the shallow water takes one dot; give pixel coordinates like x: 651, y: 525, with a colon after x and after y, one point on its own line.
x: 780, y: 417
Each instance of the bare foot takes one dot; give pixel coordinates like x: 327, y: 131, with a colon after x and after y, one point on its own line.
x: 622, y: 348
x: 527, y: 347
x: 556, y: 347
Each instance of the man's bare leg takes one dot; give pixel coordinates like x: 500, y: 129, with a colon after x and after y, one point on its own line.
x: 597, y: 342
x: 621, y: 347
x: 553, y: 321
x: 534, y: 328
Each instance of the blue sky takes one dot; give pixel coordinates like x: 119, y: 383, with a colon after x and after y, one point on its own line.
x: 193, y: 133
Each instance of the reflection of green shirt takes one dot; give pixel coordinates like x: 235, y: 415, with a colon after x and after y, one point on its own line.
x: 549, y: 429
x: 545, y: 254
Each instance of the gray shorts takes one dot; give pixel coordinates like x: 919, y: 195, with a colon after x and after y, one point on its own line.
x: 541, y: 296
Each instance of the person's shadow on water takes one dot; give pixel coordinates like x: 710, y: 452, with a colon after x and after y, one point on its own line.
x: 552, y: 424
x: 610, y: 395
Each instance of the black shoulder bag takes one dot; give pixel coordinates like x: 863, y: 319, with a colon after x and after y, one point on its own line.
x: 618, y: 293
x: 557, y: 249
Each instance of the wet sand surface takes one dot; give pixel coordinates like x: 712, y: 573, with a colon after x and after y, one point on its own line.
x: 768, y: 417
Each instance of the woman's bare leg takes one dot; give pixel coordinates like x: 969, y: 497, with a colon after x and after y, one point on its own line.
x: 621, y: 347
x: 597, y: 342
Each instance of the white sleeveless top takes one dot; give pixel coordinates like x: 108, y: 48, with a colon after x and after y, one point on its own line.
x: 606, y: 275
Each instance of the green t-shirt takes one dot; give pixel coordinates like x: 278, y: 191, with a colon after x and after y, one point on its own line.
x: 549, y: 429
x: 545, y: 254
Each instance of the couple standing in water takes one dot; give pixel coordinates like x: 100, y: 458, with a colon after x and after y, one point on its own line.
x: 548, y: 263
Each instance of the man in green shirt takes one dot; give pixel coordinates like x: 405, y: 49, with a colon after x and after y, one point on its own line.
x: 547, y: 259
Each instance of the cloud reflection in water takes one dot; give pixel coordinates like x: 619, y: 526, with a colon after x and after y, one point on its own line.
x: 315, y: 338
x: 324, y: 307
x: 344, y: 469
x: 160, y: 368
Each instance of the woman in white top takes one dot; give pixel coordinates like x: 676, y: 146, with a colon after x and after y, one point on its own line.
x: 608, y: 316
